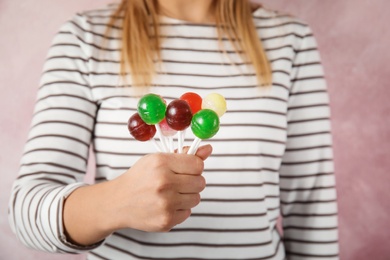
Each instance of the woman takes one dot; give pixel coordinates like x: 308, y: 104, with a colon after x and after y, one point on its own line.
x: 272, y: 154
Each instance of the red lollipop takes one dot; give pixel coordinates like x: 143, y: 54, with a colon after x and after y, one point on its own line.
x: 179, y: 117
x: 141, y: 131
x: 193, y: 100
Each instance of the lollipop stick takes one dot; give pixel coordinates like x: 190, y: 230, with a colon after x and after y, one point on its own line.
x: 156, y: 145
x: 162, y: 139
x: 183, y: 137
x: 180, y: 142
x: 171, y: 148
x: 194, y: 146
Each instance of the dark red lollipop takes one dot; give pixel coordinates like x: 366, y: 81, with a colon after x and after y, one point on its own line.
x: 139, y: 129
x: 178, y: 115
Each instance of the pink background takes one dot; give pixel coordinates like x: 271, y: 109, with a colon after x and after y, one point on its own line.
x: 353, y: 36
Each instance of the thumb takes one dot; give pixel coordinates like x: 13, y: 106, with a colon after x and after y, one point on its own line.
x: 204, y: 151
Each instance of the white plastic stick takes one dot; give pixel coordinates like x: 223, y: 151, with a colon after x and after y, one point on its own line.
x: 162, y: 138
x: 180, y: 142
x: 194, y: 146
x: 156, y: 145
x: 171, y: 147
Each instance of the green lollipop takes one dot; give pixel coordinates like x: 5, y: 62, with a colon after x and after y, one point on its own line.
x: 204, y: 125
x: 151, y: 109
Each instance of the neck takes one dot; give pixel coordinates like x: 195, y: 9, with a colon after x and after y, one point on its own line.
x: 199, y: 11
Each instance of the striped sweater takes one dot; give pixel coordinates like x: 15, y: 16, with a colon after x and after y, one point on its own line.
x: 272, y: 157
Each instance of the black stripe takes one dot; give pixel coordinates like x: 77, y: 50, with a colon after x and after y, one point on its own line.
x: 59, y: 136
x: 64, y: 82
x: 225, y: 215
x: 306, y: 50
x: 309, y: 106
x: 257, y: 170
x: 51, y: 180
x: 162, y: 73
x: 236, y: 200
x: 94, y: 33
x: 97, y: 255
x: 66, y: 57
x: 128, y: 154
x: 65, y: 44
x: 75, y: 71
x: 57, y: 150
x: 227, y: 98
x: 308, y: 92
x: 309, y: 228
x: 171, y: 61
x: 61, y: 122
x: 55, y: 165
x: 189, y: 244
x: 308, y: 189
x: 307, y: 162
x: 307, y: 120
x: 65, y: 108
x: 65, y: 95
x: 239, y: 185
x: 47, y: 172
x: 307, y: 148
x: 308, y: 134
x: 306, y: 176
x: 306, y: 64
x: 211, y: 230
x: 309, y: 241
x: 309, y: 215
x: 196, y: 87
x: 179, y: 49
x: 307, y: 202
x: 310, y: 255
x: 286, y: 35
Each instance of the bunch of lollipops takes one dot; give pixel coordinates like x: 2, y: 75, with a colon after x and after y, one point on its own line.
x: 154, y: 116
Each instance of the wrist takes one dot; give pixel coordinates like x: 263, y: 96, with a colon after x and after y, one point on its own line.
x: 87, y: 213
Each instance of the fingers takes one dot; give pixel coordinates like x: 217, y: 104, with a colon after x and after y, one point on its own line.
x: 187, y: 201
x: 187, y: 184
x: 180, y: 216
x: 185, y: 164
x: 189, y: 164
x: 203, y: 151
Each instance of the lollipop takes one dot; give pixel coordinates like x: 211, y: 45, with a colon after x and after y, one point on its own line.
x: 142, y: 131
x: 151, y: 109
x: 179, y: 117
x: 168, y: 132
x: 193, y: 100
x: 215, y: 102
x: 204, y: 125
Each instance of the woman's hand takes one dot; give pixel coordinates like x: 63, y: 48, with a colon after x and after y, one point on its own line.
x: 159, y: 191
x: 156, y: 194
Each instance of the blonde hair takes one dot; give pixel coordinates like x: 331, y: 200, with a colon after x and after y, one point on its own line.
x: 139, y: 50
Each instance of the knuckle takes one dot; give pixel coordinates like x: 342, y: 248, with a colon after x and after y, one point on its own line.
x: 165, y: 222
x: 202, y: 182
x: 159, y: 160
x: 199, y: 164
x: 163, y: 184
x: 197, y: 199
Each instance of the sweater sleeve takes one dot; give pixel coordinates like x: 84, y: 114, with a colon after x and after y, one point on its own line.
x: 307, y: 182
x: 55, y: 156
